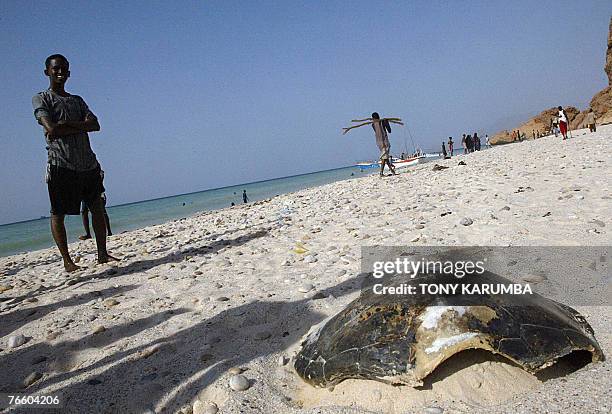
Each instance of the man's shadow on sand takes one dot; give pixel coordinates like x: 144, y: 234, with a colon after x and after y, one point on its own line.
x: 189, y: 360
x: 140, y: 265
x: 12, y: 321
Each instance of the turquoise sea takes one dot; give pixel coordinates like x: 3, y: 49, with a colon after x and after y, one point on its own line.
x: 35, y: 234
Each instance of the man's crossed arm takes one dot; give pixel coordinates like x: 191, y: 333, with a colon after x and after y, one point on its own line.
x: 61, y: 128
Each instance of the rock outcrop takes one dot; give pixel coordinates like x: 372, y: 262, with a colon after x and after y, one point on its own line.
x: 602, y: 101
x: 608, y: 67
x: 601, y: 105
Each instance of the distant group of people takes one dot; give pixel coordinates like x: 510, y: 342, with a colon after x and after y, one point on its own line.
x: 469, y: 143
x: 245, y: 198
x: 559, y: 124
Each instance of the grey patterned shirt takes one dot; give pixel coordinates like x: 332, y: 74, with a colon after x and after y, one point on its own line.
x: 70, y: 151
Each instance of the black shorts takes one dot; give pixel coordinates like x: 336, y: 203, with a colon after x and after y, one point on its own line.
x: 67, y: 188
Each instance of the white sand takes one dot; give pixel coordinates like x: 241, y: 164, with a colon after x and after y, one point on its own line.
x: 168, y: 339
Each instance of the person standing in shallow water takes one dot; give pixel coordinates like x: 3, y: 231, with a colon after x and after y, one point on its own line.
x: 85, y: 218
x: 244, y: 197
x: 73, y: 172
x: 450, y: 145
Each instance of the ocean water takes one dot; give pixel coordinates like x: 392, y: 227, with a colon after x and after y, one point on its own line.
x: 35, y: 234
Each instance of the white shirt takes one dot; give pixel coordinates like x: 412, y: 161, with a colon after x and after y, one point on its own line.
x: 562, y: 117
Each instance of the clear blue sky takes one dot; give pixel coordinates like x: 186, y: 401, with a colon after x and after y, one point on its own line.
x: 199, y: 94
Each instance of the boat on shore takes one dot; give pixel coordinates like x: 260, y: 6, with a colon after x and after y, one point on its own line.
x: 398, y: 163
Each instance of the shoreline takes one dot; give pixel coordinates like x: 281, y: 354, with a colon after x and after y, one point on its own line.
x: 238, y: 288
x: 74, y: 222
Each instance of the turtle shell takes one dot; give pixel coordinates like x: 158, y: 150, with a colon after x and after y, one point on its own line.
x: 400, y: 339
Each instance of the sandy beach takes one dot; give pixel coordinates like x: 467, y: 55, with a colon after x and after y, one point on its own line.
x: 196, y: 300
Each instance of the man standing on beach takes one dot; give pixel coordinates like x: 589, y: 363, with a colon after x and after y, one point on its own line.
x: 244, y: 197
x: 450, y: 145
x: 563, y: 122
x: 590, y: 121
x: 73, y: 172
x: 381, y: 128
x: 554, y: 125
x: 85, y: 218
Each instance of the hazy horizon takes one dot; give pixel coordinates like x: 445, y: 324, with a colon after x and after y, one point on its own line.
x: 198, y: 96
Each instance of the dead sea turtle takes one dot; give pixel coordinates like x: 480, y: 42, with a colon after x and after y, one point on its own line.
x: 400, y: 339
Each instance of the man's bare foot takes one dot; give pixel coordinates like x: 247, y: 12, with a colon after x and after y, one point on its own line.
x: 105, y: 258
x: 84, y: 237
x: 71, y: 267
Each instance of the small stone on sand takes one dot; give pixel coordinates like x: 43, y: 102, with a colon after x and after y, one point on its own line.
x: 4, y: 288
x: 239, y: 383
x: 111, y: 302
x: 16, y: 341
x: 32, y: 378
x: 305, y: 288
x: 205, y: 407
x: 260, y: 336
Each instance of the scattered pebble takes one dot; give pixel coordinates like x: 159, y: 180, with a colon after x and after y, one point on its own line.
x: 235, y: 370
x: 222, y: 299
x: 309, y: 259
x: 38, y: 359
x: 98, y: 329
x: 533, y: 278
x: 16, y: 341
x: 239, y: 383
x: 205, y: 407
x: 52, y: 335
x: 306, y: 287
x: 32, y: 378
x: 318, y: 295
x: 282, y: 361
x: 111, y: 302
x: 262, y: 335
x: 4, y: 288
x: 466, y: 221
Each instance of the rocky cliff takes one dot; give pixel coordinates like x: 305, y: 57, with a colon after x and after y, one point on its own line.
x: 601, y: 105
x: 602, y: 101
